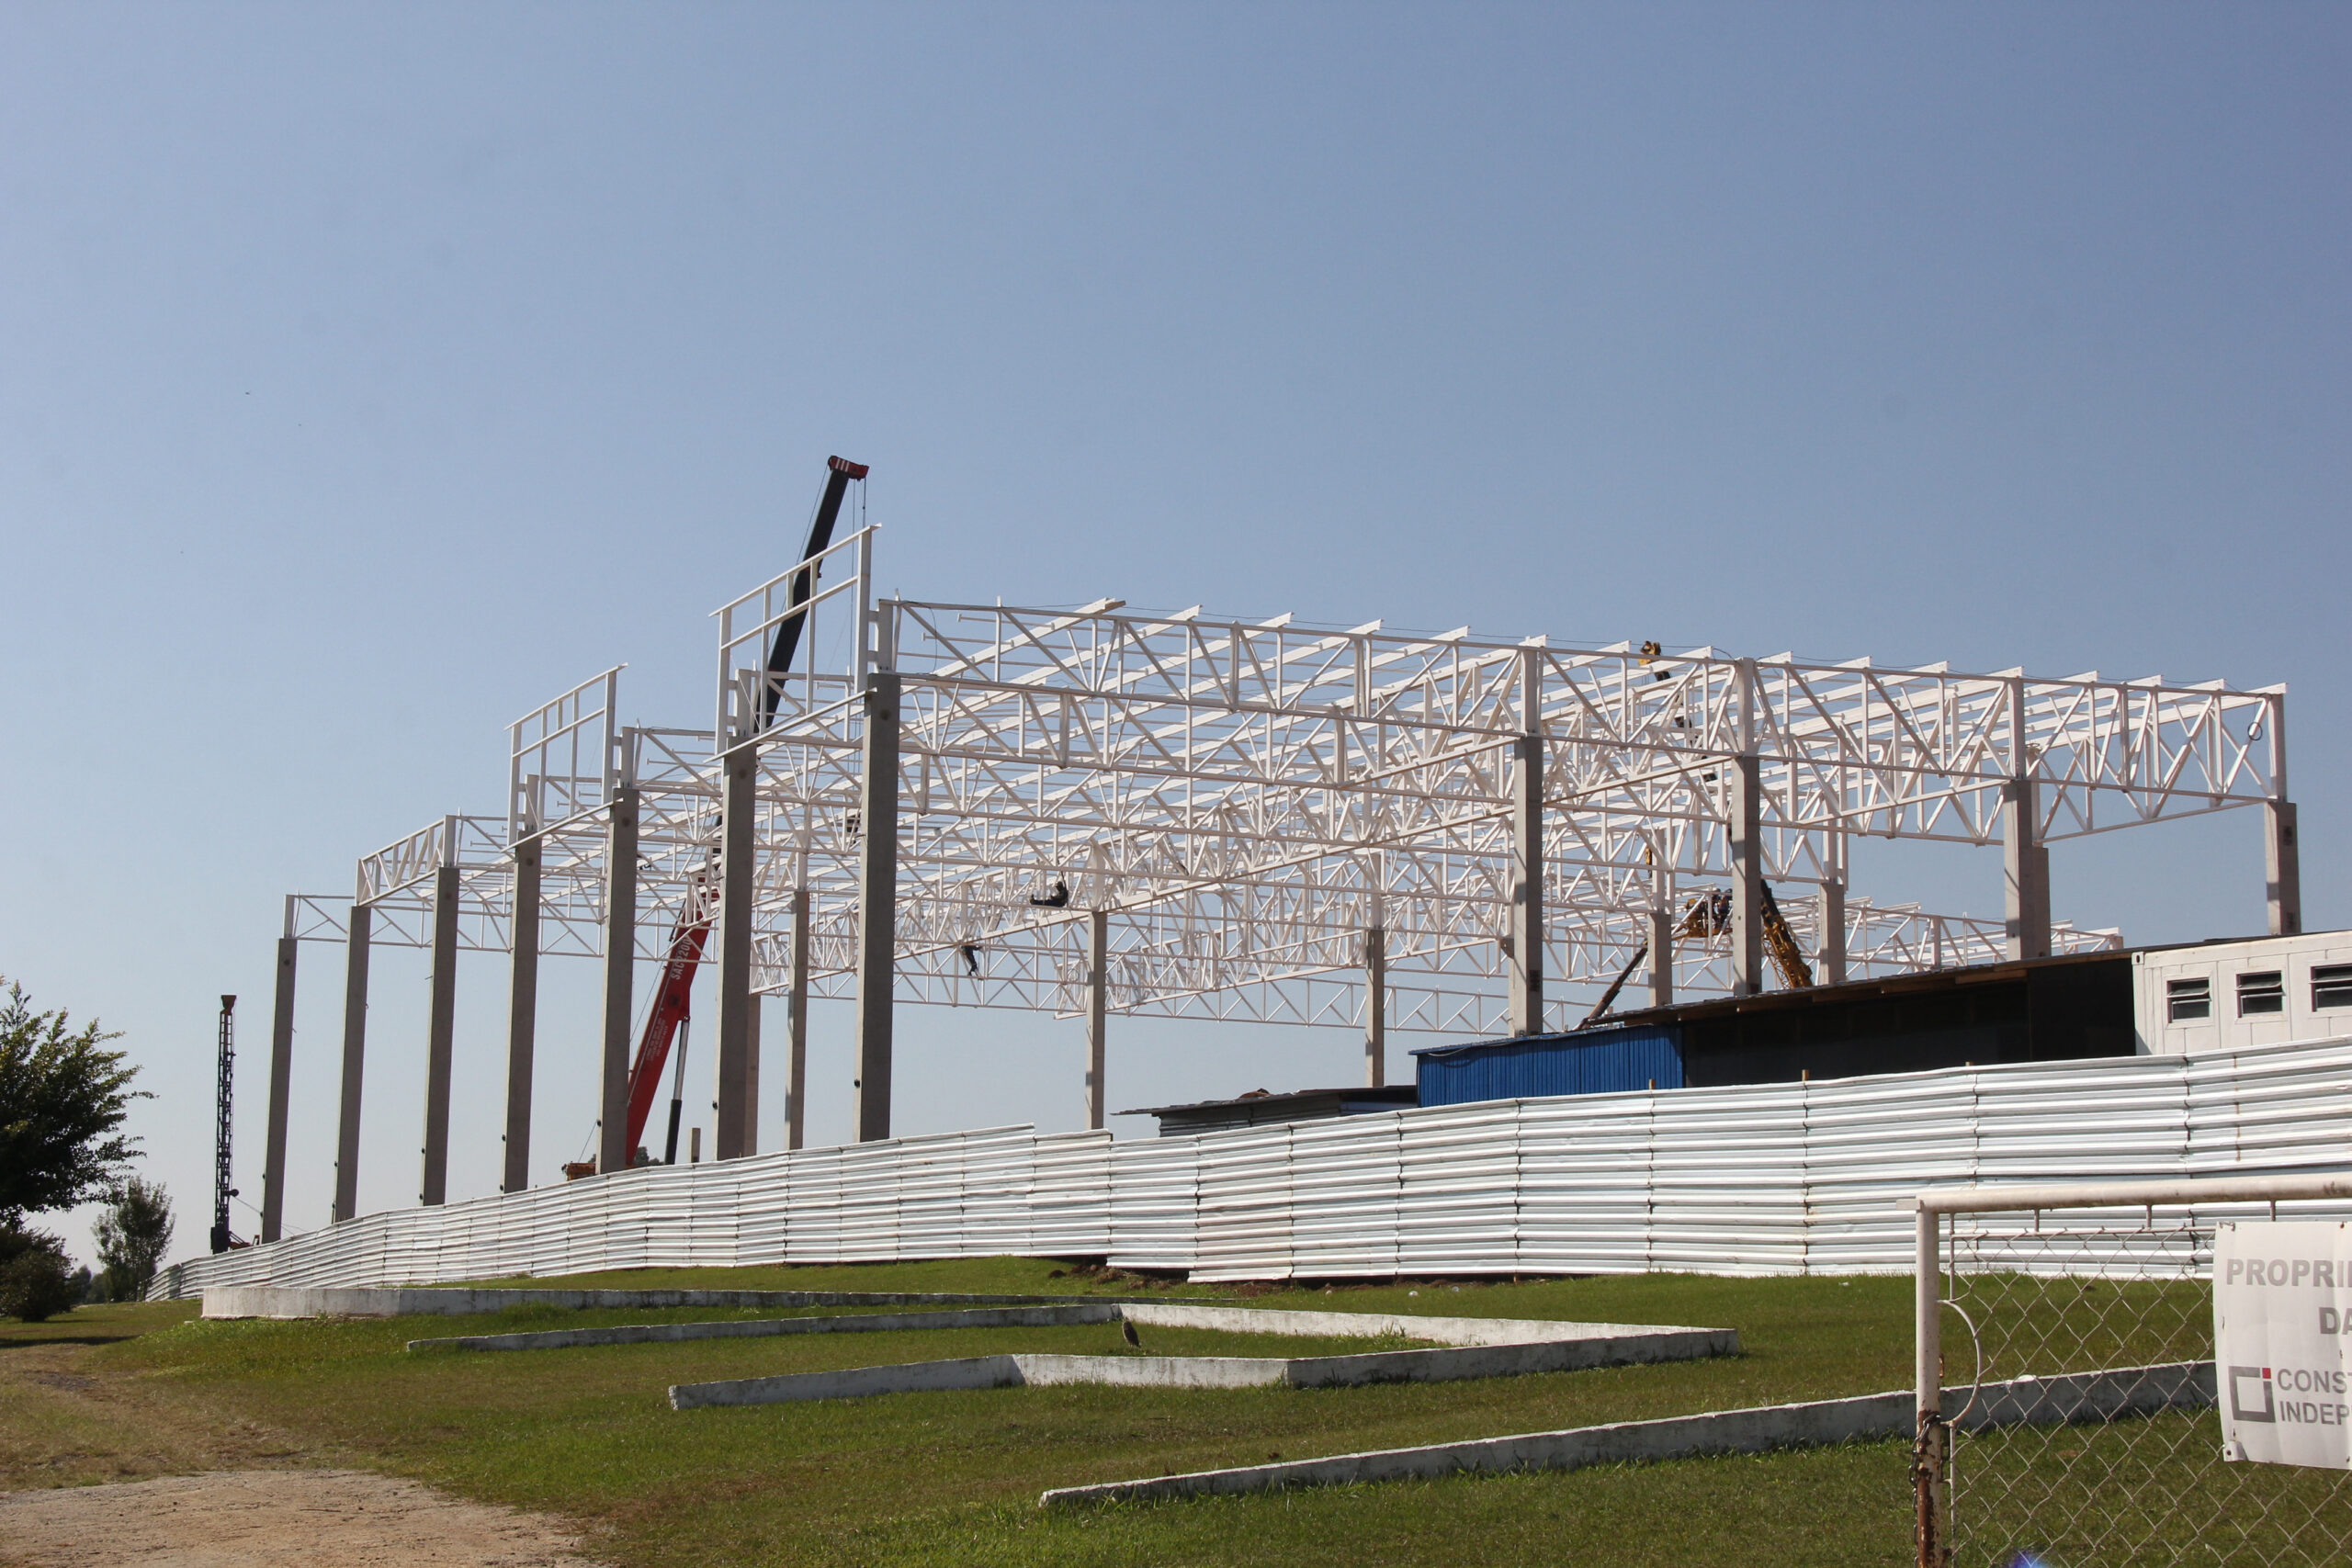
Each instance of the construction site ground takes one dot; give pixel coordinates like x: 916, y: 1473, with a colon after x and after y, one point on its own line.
x: 328, y: 1442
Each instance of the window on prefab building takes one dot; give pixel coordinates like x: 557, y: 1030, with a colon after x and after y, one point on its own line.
x: 2265, y: 990
x: 2186, y: 999
x: 2332, y: 984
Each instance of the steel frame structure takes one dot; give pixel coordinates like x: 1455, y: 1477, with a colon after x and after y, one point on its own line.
x: 1256, y: 815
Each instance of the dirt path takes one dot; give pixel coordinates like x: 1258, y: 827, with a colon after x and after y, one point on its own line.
x: 260, y: 1518
x: 70, y: 1421
x: 100, y: 1467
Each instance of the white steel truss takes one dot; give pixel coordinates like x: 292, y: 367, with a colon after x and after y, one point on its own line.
x: 1250, y: 798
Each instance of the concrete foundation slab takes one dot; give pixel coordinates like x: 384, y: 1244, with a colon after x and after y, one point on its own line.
x: 765, y: 1327
x: 1452, y: 1331
x: 297, y: 1301
x: 2083, y: 1397
x: 1373, y: 1324
x: 1496, y: 1347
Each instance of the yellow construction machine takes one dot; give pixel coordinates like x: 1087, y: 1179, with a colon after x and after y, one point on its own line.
x: 1710, y: 915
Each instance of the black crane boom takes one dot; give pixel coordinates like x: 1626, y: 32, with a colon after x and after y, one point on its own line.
x: 839, y: 471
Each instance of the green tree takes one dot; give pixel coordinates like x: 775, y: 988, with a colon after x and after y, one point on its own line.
x: 132, y: 1235
x: 62, y: 1099
x: 17, y: 1239
x: 36, y: 1287
x: 34, y: 1283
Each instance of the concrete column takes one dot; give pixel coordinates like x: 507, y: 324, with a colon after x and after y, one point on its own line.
x: 752, y: 1076
x: 1662, y: 958
x: 2282, y: 869
x: 1376, y: 1006
x: 738, y: 885
x: 1744, y: 775
x: 613, y: 1152
x: 522, y: 1016
x: 1526, y: 967
x: 1830, y: 941
x: 1098, y: 1010
x: 441, y: 1039
x: 877, y: 899
x: 281, y: 1080
x: 796, y: 1026
x: 355, y: 1057
x: 2025, y: 870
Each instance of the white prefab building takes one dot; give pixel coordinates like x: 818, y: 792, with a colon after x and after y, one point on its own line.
x: 2230, y: 995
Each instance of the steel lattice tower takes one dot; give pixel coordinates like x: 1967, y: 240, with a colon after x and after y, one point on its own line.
x: 222, y: 1190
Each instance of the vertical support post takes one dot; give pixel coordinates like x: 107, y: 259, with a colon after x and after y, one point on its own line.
x: 2281, y: 869
x: 737, y: 882
x: 1376, y: 1006
x: 752, y: 1077
x: 281, y: 1081
x: 1661, y: 924
x: 1527, y: 886
x: 877, y: 901
x: 2281, y: 859
x: 2025, y: 859
x: 522, y: 1015
x: 355, y: 1058
x: 1927, y: 1451
x: 1661, y: 958
x: 796, y: 1025
x: 1098, y: 1010
x: 441, y: 1040
x: 613, y: 1152
x: 2025, y: 868
x: 1745, y: 774
x: 1830, y: 941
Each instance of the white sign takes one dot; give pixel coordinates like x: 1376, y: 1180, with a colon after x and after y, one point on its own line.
x: 2282, y: 1295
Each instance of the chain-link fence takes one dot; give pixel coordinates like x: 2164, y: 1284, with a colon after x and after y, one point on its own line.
x: 2077, y: 1422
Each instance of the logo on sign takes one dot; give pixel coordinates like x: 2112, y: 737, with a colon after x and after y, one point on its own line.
x: 2240, y: 1377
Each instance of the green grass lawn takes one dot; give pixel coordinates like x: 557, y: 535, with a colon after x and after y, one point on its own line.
x: 954, y: 1477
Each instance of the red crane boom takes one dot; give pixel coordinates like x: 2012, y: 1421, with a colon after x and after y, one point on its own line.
x: 672, y: 1005
x: 674, y: 997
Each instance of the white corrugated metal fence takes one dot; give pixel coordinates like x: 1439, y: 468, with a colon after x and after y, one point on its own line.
x: 1764, y: 1179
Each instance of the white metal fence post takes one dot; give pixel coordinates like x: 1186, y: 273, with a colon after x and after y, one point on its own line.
x: 1930, y: 1452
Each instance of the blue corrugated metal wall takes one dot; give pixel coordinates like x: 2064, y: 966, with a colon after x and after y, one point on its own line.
x: 1592, y: 1061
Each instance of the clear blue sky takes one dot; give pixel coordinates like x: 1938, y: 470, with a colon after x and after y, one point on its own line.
x: 369, y: 374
